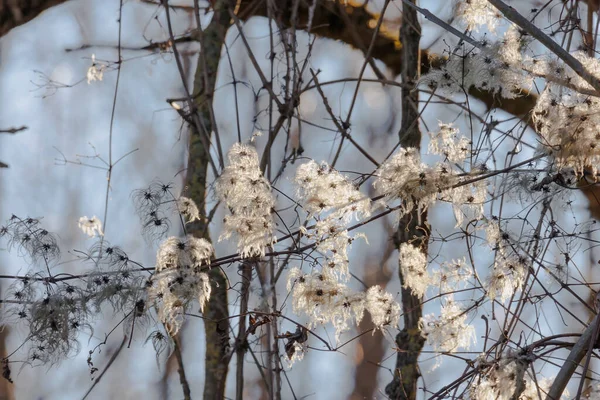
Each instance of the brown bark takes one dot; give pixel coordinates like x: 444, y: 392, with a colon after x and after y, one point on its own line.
x: 17, y: 12
x: 216, y: 313
x: 350, y: 24
x: 242, y: 340
x: 413, y: 227
x: 7, y: 389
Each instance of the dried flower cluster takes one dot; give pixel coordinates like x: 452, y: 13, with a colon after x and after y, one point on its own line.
x: 56, y: 312
x: 404, y: 177
x: 333, y: 201
x: 565, y: 116
x: 90, y: 226
x: 509, y: 271
x: 320, y: 189
x: 499, y: 68
x: 115, y: 279
x: 96, y: 71
x: 452, y: 275
x: 450, y: 331
x: 498, y: 380
x: 179, y: 279
x: 31, y: 240
x: 474, y: 13
x: 568, y: 121
x: 448, y: 143
x: 413, y: 264
x: 150, y: 204
x: 188, y: 209
x: 247, y: 194
x: 325, y: 300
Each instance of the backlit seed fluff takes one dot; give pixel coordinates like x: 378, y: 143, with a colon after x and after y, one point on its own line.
x: 247, y: 195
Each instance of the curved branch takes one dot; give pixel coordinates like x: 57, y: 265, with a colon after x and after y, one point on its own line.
x: 572, y: 362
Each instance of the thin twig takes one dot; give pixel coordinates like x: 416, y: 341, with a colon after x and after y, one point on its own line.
x: 522, y: 22
x: 14, y: 130
x: 110, y: 362
x: 181, y: 370
x: 242, y: 343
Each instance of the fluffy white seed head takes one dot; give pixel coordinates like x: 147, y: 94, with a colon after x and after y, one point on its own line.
x: 91, y: 226
x: 474, y: 13
x: 188, y: 209
x: 507, y: 276
x: 384, y: 310
x: 321, y: 188
x: 448, y: 143
x: 248, y: 196
x: 450, y: 331
x: 413, y: 264
x: 324, y: 300
x: 179, y: 279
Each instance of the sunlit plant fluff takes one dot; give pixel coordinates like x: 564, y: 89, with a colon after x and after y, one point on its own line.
x: 497, y: 380
x: 297, y: 354
x: 247, y: 194
x: 188, y: 209
x: 324, y: 300
x: 509, y: 271
x: 333, y: 201
x: 499, y: 68
x: 320, y: 188
x: 333, y: 240
x: 413, y: 264
x: 507, y: 276
x: 90, y: 226
x: 96, y: 71
x: 474, y: 13
x: 569, y: 122
x: 384, y: 310
x: 593, y: 392
x: 467, y: 199
x: 450, y: 331
x: 451, y: 275
x: 536, y: 386
x: 448, y: 143
x: 179, y: 279
x: 404, y: 177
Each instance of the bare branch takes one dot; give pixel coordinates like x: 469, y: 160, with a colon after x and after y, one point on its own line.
x: 14, y: 130
x: 554, y: 47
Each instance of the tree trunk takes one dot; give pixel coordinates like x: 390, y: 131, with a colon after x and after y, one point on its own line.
x: 216, y: 313
x: 17, y: 12
x: 413, y: 227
